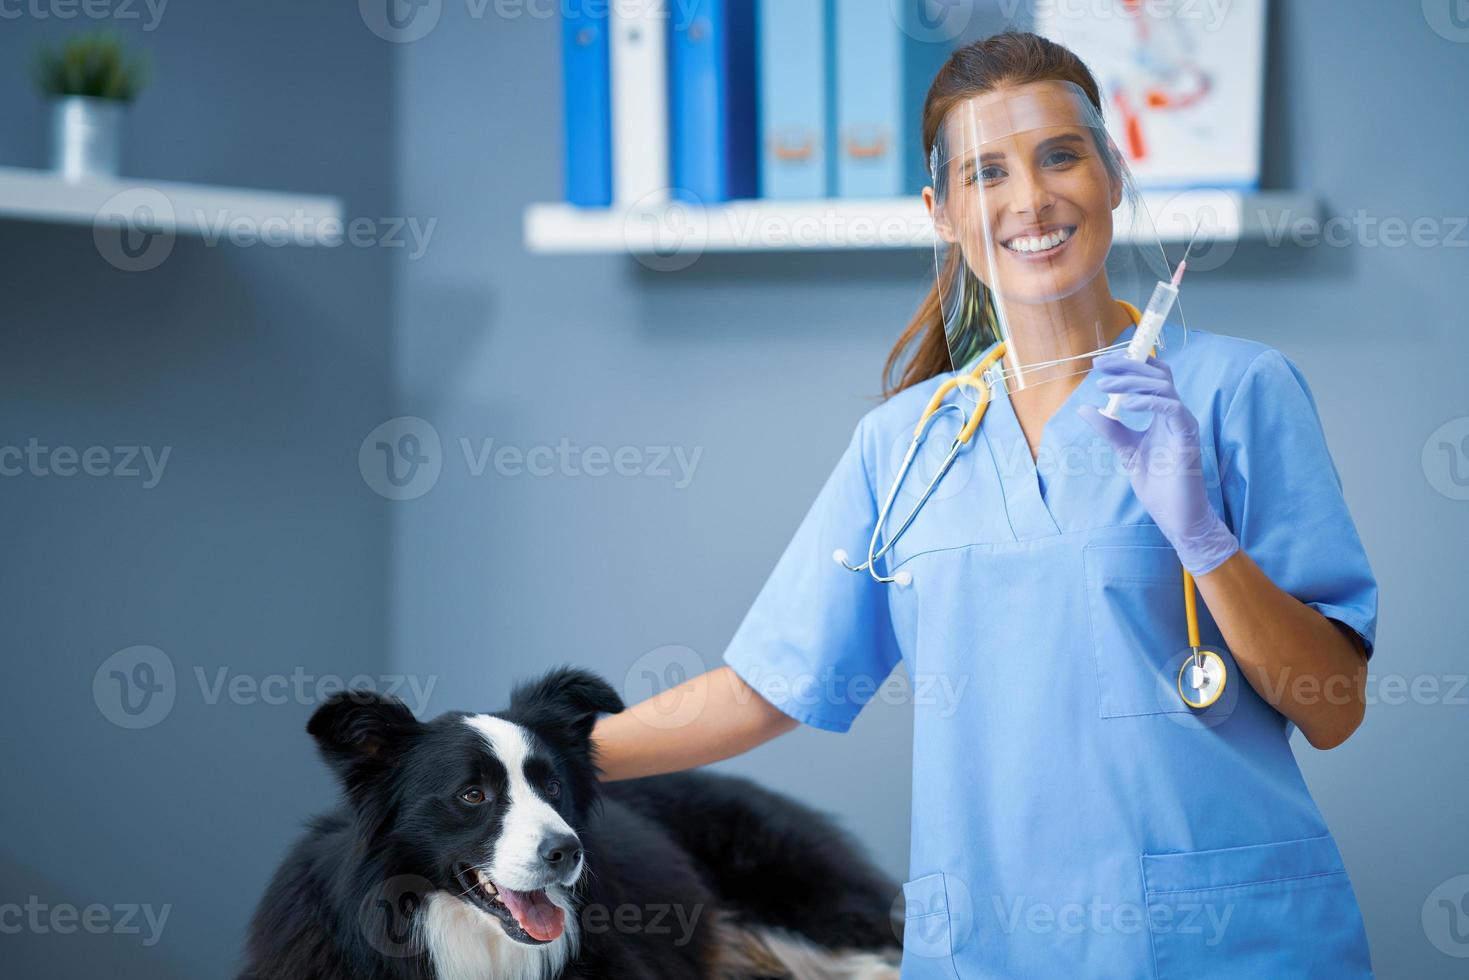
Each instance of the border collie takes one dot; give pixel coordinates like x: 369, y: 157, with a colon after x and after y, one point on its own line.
x: 484, y: 846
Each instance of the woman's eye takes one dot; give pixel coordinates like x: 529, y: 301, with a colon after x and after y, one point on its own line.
x: 474, y: 796
x: 553, y: 789
x: 1060, y: 157
x: 989, y: 174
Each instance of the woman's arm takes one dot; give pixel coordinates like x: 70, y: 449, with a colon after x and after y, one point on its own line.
x: 1311, y: 669
x: 710, y: 717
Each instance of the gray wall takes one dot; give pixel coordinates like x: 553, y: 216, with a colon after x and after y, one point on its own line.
x: 263, y: 550
x: 260, y: 551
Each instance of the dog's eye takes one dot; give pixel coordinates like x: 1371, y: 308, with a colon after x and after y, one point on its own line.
x: 474, y: 796
x: 553, y: 789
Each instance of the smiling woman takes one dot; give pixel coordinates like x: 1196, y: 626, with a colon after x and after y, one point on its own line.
x: 1075, y: 772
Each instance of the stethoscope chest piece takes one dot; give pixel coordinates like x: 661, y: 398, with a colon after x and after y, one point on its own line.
x: 1201, y: 679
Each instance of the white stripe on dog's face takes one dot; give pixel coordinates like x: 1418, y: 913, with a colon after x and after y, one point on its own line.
x: 528, y: 819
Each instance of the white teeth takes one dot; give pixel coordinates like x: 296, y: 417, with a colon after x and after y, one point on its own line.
x: 487, y: 884
x: 1042, y: 244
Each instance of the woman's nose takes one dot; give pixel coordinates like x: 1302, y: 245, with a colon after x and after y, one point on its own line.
x: 1031, y: 195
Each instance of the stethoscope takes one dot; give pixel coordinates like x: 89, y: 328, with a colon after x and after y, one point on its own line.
x: 1202, y: 677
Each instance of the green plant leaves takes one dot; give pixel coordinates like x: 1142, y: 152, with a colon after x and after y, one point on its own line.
x: 93, y: 65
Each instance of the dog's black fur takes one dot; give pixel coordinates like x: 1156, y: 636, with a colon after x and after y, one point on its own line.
x: 346, y: 900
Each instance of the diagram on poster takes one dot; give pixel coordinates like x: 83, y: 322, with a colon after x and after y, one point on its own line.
x: 1182, y: 83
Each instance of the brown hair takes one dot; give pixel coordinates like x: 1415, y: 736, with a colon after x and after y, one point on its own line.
x: 1011, y: 58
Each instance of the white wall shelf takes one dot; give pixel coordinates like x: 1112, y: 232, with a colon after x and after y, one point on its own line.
x: 834, y: 224
x: 227, y: 213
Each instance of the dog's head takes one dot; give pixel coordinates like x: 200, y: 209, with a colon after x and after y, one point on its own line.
x: 486, y: 808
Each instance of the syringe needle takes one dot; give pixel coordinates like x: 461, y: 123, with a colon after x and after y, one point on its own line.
x: 1183, y: 262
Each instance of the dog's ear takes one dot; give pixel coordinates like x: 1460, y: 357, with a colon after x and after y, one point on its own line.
x: 359, y: 733
x: 564, y: 702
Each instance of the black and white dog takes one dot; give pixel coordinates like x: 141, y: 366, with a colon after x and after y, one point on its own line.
x: 484, y: 846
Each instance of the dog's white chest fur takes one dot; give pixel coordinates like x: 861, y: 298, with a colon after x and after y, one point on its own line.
x: 466, y: 944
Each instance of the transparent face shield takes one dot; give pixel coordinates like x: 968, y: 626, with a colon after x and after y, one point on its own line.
x: 1041, y: 240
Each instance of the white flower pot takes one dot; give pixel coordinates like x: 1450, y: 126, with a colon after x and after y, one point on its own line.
x: 86, y: 136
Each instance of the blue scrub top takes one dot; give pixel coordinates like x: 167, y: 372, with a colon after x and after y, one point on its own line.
x: 1071, y: 816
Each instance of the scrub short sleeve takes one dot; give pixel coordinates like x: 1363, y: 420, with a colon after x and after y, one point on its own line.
x: 818, y: 641
x: 1284, y: 497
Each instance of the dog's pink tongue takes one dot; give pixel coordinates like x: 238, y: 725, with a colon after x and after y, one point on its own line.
x: 535, y: 913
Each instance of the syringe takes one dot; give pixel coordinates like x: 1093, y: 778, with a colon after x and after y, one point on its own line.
x: 1165, y: 294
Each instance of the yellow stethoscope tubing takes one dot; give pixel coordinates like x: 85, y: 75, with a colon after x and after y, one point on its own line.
x: 1191, y: 611
x: 974, y: 379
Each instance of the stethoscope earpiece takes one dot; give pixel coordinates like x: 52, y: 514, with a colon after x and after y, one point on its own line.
x: 901, y: 579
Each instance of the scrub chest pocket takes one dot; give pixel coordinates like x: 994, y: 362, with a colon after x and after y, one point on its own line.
x: 1139, y: 627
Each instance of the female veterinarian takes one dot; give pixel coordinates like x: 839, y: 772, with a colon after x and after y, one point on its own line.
x: 1103, y: 783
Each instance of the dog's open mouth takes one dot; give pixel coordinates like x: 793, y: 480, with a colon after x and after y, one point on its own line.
x: 529, y: 917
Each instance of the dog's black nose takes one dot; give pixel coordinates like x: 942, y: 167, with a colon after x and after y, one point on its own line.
x: 561, y: 852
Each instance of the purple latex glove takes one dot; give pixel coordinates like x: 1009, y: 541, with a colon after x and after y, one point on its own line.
x: 1164, y: 460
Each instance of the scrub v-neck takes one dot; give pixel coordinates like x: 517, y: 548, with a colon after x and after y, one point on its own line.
x: 1025, y: 493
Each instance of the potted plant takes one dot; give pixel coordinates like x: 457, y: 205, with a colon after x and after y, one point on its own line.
x: 89, y: 81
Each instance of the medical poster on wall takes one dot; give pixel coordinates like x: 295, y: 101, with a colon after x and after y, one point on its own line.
x: 1182, y: 83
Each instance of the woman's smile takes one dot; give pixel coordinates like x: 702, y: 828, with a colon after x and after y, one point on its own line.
x: 1040, y: 245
